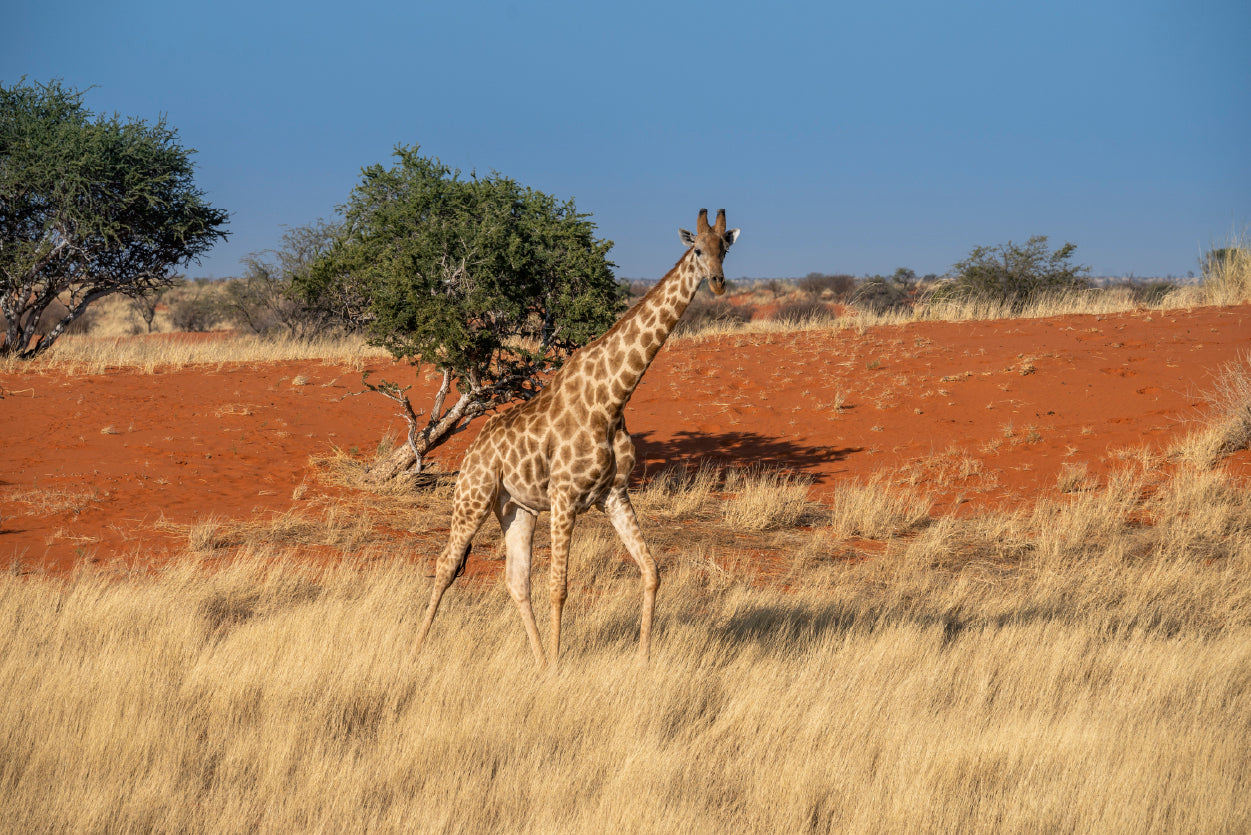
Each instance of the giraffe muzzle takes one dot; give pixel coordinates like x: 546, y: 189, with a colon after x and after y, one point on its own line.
x: 716, y: 283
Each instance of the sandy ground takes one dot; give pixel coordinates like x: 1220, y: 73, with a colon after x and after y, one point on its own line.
x: 984, y: 414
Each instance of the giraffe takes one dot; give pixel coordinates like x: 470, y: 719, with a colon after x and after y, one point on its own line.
x: 567, y: 449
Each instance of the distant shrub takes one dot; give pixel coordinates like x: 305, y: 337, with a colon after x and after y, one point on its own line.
x: 1227, y: 274
x: 637, y: 288
x: 704, y: 312
x: 804, y: 310
x: 878, y: 294
x: 196, y: 314
x: 263, y: 299
x: 1224, y: 258
x: 775, y: 286
x: 839, y: 286
x: 1017, y: 274
x: 1150, y: 293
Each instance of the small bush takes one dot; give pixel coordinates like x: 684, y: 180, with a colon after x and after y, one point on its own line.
x: 1150, y: 293
x: 805, y: 310
x: 878, y: 294
x: 196, y: 314
x: 1227, y: 274
x: 704, y: 312
x: 838, y: 286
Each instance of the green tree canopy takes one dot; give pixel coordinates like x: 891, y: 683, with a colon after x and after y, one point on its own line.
x: 488, y: 281
x: 89, y: 206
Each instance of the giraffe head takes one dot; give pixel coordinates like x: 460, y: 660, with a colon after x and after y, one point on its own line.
x: 710, y: 244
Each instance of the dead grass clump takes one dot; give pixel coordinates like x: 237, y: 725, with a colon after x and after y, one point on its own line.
x: 1227, y: 272
x: 874, y: 510
x: 1075, y: 477
x: 677, y: 493
x: 49, y: 501
x: 764, y: 499
x: 339, y: 526
x: 1070, y: 528
x: 1226, y: 426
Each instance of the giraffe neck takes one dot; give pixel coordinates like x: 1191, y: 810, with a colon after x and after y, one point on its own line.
x: 621, y: 356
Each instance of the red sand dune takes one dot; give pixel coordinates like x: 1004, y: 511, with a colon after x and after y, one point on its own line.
x: 90, y: 464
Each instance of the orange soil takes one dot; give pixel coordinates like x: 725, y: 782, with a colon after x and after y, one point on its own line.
x: 984, y: 413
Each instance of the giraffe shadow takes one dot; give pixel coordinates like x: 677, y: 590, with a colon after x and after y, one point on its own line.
x: 787, y: 628
x: 689, y: 450
x: 782, y: 628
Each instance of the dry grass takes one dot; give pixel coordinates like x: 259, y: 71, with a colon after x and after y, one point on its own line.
x: 871, y: 511
x: 1069, y: 668
x: 676, y: 494
x: 1226, y: 424
x: 91, y: 354
x: 1228, y: 280
x: 764, y: 499
x: 48, y: 501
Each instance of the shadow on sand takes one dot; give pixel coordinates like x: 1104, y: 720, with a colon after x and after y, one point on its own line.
x: 689, y: 450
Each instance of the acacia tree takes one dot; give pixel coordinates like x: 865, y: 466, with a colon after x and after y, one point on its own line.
x: 89, y: 206
x: 1018, y: 274
x: 489, y: 282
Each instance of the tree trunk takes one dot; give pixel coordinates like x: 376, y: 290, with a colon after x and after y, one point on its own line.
x: 441, y: 425
x: 399, y: 461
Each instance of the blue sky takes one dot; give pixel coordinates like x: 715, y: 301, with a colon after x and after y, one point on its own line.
x: 841, y: 137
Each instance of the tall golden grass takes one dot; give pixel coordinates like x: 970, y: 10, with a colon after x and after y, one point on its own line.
x: 1082, y: 665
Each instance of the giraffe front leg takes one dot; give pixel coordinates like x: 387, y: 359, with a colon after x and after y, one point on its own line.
x: 563, y: 517
x: 621, y: 514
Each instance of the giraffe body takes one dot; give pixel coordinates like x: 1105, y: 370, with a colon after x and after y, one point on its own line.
x: 567, y: 449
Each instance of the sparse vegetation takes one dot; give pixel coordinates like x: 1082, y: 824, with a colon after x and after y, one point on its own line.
x: 196, y: 308
x: 804, y: 312
x: 1226, y: 425
x: 1227, y: 273
x: 880, y: 295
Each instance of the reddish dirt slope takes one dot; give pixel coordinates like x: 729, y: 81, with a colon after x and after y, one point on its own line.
x: 987, y: 411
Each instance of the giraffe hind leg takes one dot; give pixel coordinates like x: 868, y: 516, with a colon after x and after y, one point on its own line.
x: 518, y: 527
x: 468, y: 514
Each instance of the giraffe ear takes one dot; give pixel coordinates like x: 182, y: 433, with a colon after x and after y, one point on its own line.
x: 687, y: 238
x: 730, y: 238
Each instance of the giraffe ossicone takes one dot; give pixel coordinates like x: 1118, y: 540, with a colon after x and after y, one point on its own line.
x: 567, y: 449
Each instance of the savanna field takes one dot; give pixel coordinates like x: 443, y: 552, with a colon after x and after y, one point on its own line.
x: 945, y: 570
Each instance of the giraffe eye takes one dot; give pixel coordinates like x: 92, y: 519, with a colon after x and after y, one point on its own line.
x: 699, y: 253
